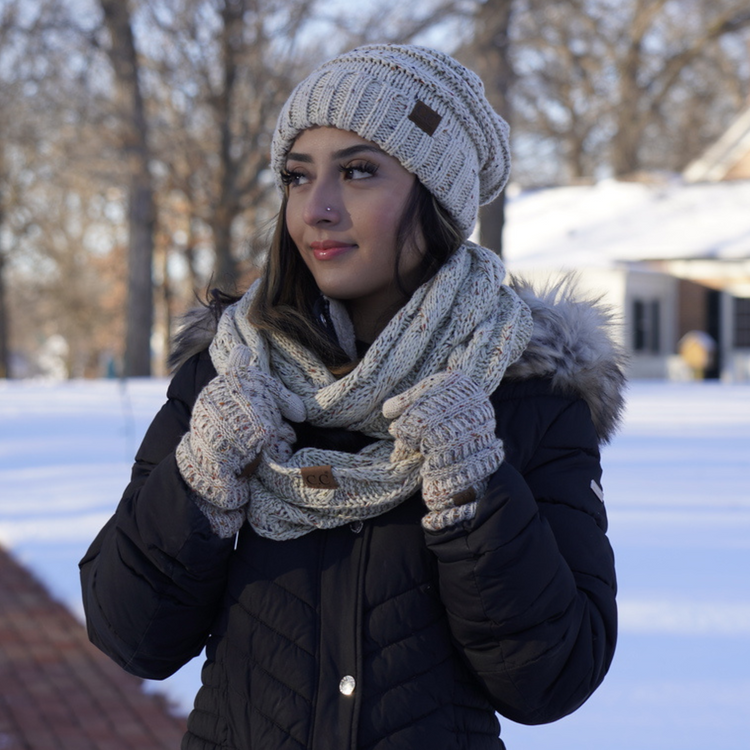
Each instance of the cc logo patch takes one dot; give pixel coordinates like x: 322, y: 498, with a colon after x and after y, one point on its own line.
x: 319, y: 477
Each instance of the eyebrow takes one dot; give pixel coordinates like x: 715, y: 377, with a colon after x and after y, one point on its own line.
x: 340, y: 154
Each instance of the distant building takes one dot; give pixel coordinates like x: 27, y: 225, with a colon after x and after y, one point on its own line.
x: 728, y: 158
x: 671, y: 255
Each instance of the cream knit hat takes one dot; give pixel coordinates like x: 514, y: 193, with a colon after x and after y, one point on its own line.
x: 418, y: 105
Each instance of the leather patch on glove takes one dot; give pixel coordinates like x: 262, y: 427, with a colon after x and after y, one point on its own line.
x: 249, y: 470
x: 465, y: 497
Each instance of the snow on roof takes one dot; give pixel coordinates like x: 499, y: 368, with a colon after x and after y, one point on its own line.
x: 613, y: 221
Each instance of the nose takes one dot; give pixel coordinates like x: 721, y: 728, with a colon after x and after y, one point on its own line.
x: 323, y: 206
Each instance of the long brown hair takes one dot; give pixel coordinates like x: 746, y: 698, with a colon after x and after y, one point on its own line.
x: 288, y: 291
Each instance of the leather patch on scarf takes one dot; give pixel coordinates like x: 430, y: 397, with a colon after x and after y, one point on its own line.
x: 319, y: 477
x: 425, y: 118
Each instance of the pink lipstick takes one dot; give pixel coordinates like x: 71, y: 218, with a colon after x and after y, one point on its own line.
x: 329, y: 249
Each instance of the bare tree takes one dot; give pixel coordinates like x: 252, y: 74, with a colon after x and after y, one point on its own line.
x: 645, y: 88
x: 190, y: 92
x: 17, y: 79
x: 141, y: 211
x: 54, y: 211
x: 219, y: 78
x: 488, y: 53
x: 397, y: 22
x: 4, y: 348
x: 598, y: 82
x: 174, y: 125
x: 220, y: 74
x: 7, y: 22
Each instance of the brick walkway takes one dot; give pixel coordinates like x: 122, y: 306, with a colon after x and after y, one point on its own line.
x: 58, y: 692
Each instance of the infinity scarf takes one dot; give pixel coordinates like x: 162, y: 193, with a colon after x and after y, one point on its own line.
x: 463, y: 319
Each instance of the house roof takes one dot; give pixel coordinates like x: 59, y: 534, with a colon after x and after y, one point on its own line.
x: 610, y: 222
x: 727, y: 158
x: 59, y: 691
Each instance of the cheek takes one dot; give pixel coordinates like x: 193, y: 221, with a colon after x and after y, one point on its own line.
x: 386, y: 219
x: 382, y: 217
x: 291, y: 216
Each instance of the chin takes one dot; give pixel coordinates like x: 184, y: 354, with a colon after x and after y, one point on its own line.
x: 337, y: 291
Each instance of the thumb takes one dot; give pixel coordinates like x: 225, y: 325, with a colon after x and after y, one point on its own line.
x: 394, y: 407
x: 239, y: 358
x: 290, y: 404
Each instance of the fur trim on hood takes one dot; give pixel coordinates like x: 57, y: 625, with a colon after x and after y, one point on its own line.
x: 572, y: 344
x: 195, y: 332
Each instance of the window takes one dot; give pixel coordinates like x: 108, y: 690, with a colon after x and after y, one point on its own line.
x: 742, y: 322
x: 646, y: 326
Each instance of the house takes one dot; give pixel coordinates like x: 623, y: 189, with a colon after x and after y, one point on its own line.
x: 728, y: 158
x: 671, y: 256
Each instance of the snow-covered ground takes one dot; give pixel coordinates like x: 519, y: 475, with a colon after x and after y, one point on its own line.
x: 677, y: 484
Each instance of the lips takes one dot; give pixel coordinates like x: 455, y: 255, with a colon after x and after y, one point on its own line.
x: 329, y: 249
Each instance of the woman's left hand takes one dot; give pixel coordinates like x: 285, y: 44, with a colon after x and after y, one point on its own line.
x: 449, y: 419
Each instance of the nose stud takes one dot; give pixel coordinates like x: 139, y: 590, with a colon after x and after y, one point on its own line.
x: 328, y: 208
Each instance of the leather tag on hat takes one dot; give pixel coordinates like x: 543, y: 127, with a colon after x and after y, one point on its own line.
x: 319, y: 477
x: 425, y: 117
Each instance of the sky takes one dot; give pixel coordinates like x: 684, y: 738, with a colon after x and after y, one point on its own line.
x: 676, y: 490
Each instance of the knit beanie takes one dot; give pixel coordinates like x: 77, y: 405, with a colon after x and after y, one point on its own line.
x: 418, y: 105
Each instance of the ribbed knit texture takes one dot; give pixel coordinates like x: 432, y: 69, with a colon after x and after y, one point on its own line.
x: 464, y: 319
x: 449, y: 420
x: 235, y: 416
x: 373, y: 90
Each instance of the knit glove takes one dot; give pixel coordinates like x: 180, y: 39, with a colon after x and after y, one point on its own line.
x: 449, y: 419
x: 235, y: 417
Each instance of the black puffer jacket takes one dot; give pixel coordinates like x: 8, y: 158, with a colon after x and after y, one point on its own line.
x: 379, y: 634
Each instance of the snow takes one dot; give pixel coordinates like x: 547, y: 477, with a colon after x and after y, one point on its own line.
x: 676, y: 488
x: 597, y: 225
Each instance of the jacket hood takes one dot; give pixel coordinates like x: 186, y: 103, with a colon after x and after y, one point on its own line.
x: 572, y: 344
x: 194, y: 334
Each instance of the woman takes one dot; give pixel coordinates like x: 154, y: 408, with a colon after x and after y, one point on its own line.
x: 373, y: 494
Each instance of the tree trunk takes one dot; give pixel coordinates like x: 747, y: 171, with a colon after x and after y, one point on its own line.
x: 4, y: 349
x: 140, y: 304
x: 491, y: 60
x: 226, y: 211
x: 627, y: 138
x: 141, y: 213
x: 492, y: 224
x: 225, y: 266
x: 576, y: 156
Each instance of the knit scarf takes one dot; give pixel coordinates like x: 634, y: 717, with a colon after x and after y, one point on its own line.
x: 463, y: 319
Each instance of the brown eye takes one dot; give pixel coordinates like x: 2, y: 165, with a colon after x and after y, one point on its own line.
x: 358, y: 171
x: 292, y: 178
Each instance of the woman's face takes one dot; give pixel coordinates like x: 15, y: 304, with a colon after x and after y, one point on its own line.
x: 345, y: 200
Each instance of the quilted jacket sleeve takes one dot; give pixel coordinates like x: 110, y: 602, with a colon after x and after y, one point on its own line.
x: 529, y: 583
x: 154, y: 576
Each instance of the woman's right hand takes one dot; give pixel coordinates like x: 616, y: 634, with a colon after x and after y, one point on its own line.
x: 235, y: 417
